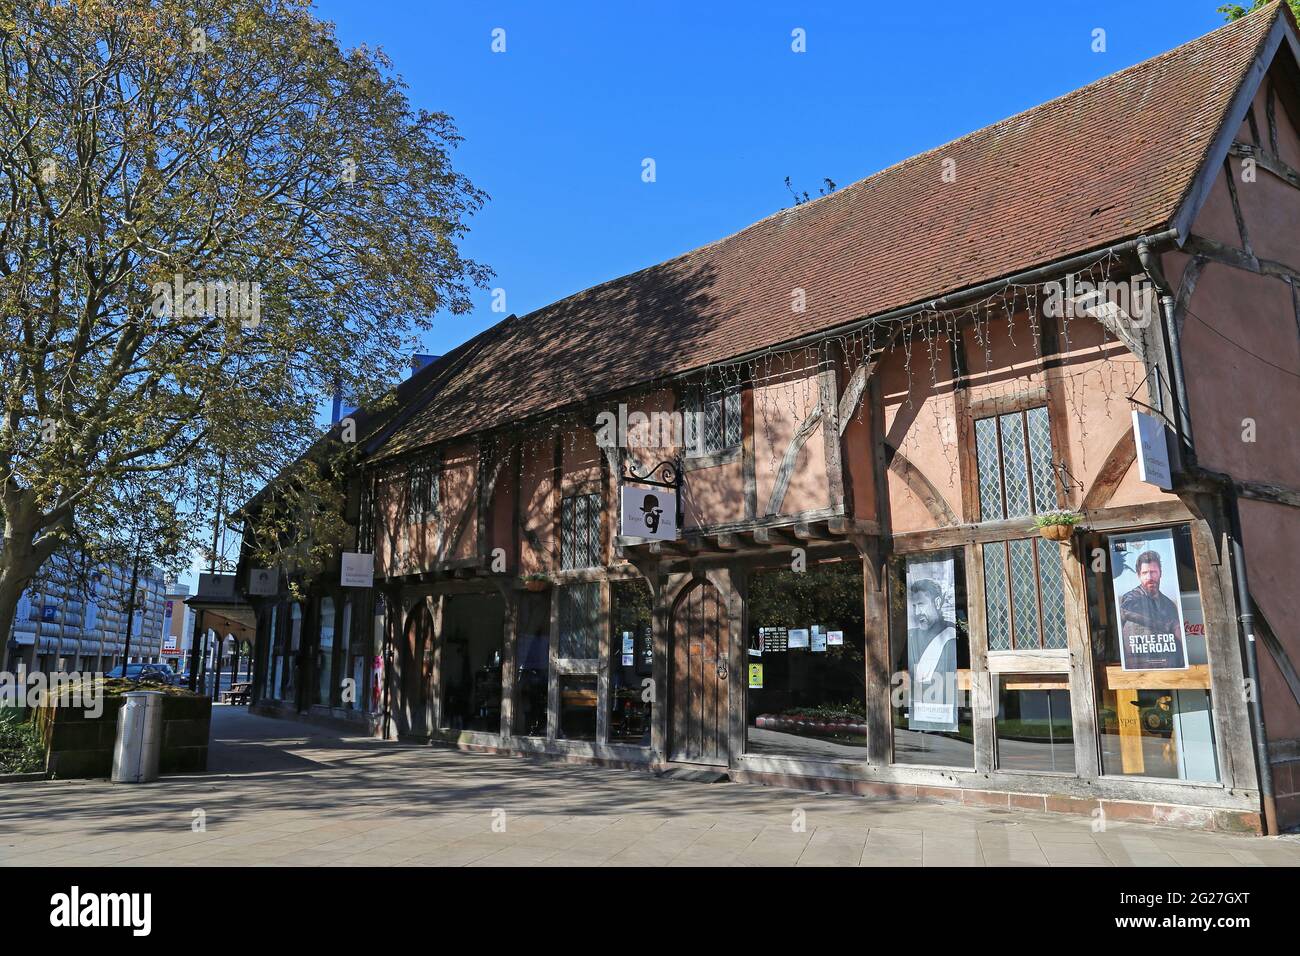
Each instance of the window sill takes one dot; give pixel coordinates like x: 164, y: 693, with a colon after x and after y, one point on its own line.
x: 724, y: 457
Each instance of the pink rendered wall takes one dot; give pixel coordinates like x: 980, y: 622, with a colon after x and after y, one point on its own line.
x: 787, y: 394
x: 537, y: 506
x: 458, y: 502
x: 1241, y: 352
x: 1091, y: 379
x: 505, y: 499
x: 920, y: 426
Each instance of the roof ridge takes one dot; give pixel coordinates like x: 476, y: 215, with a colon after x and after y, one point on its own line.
x: 879, y: 243
x: 802, y: 210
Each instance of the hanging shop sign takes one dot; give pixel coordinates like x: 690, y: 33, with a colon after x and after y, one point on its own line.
x: 932, y: 644
x: 1144, y: 578
x: 650, y: 504
x: 649, y: 513
x: 358, y: 570
x: 263, y: 582
x: 1150, y: 438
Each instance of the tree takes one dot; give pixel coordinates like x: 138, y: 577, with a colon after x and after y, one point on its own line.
x: 1235, y: 11
x: 210, y: 218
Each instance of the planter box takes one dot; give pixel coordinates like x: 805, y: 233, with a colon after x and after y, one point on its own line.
x: 80, y: 746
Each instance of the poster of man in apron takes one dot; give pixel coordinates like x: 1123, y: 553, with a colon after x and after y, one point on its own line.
x: 932, y: 645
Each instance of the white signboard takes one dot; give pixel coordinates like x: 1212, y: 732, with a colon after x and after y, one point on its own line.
x: 263, y: 581
x: 1152, y: 450
x: 649, y: 513
x: 358, y: 570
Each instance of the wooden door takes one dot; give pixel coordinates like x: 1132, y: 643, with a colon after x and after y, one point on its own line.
x: 700, y: 676
x: 416, y: 662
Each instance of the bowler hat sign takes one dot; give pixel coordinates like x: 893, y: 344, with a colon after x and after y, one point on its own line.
x: 649, y: 513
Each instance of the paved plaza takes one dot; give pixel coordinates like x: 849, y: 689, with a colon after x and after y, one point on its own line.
x: 283, y: 793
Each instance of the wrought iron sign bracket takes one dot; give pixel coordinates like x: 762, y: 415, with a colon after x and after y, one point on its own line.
x: 666, y: 474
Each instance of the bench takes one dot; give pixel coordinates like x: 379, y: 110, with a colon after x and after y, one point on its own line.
x: 238, y: 693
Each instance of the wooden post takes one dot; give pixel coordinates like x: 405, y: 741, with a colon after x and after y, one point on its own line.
x: 1083, y: 696
x: 983, y: 693
x: 659, y: 664
x: 552, y: 674
x: 602, y: 667
x: 737, y: 662
x: 875, y: 619
x: 1232, y: 731
x: 433, y: 715
x: 509, y: 655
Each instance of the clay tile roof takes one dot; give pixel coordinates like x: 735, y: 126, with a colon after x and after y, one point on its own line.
x: 1102, y: 164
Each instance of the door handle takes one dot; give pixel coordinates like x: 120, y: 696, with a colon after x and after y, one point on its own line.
x: 722, y: 669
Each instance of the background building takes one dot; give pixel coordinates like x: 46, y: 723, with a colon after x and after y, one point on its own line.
x: 75, y: 619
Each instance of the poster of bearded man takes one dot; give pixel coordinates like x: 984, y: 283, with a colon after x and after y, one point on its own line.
x: 1144, y: 577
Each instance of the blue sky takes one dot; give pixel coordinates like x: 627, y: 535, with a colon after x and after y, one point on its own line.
x: 557, y: 126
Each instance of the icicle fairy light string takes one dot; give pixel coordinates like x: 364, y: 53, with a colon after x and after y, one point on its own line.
x: 785, y: 390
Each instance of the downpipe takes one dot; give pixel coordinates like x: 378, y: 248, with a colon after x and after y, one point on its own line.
x: 1245, y: 608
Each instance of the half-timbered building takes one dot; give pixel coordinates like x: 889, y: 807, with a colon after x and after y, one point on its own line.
x: 855, y: 414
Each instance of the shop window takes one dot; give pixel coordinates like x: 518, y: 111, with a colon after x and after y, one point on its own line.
x: 578, y: 707
x: 580, y: 532
x: 1034, y: 726
x: 580, y: 621
x: 1024, y: 595
x: 532, y: 655
x: 805, y: 664
x: 1151, y: 665
x: 421, y: 492
x: 930, y: 703
x: 375, y: 669
x: 325, y: 652
x: 473, y: 647
x: 1014, y: 462
x: 631, y: 651
x: 345, y: 662
x: 289, y: 659
x: 275, y: 645
x: 712, y: 421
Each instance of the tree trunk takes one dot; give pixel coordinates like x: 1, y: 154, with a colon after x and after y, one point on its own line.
x: 16, y: 573
x: 21, y: 555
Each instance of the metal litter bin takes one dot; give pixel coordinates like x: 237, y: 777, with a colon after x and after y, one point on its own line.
x: 139, y: 737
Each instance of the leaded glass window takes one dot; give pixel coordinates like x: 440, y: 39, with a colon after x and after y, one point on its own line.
x: 712, y: 419
x: 580, y: 532
x: 1014, y: 462
x: 1024, y: 595
x: 421, y: 492
x: 580, y: 621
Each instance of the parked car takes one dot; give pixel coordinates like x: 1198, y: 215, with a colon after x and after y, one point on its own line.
x: 159, y: 673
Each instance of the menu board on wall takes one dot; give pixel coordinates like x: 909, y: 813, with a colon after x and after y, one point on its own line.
x: 773, y: 640
x: 932, y: 644
x: 1144, y: 578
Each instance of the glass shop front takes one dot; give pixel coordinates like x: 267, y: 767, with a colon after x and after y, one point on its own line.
x: 805, y: 663
x: 1151, y: 668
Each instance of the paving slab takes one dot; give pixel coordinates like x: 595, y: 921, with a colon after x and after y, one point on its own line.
x: 285, y: 793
